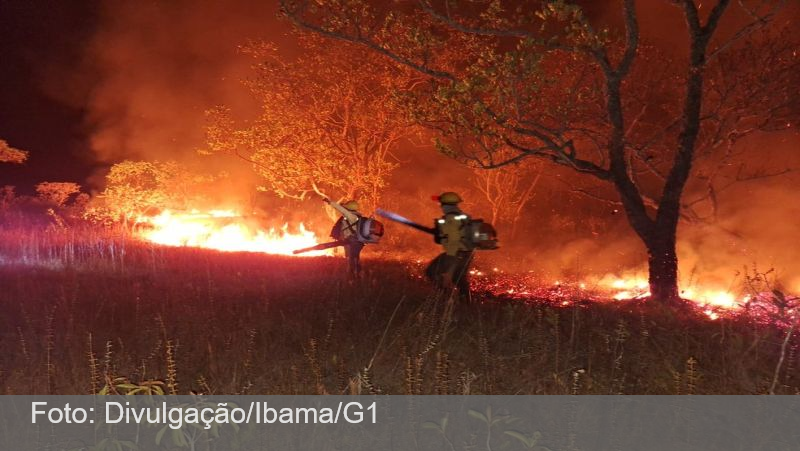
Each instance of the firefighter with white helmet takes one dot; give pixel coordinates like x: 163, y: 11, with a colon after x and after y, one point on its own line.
x: 451, y: 267
x: 346, y: 229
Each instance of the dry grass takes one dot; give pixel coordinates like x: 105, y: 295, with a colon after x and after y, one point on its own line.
x: 83, y: 309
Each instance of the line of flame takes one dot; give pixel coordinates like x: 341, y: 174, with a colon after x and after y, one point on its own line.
x: 202, y: 229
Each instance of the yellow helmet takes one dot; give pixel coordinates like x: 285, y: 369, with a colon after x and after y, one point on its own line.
x: 351, y: 205
x: 449, y: 198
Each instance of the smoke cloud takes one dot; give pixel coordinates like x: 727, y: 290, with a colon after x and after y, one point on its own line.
x: 160, y: 66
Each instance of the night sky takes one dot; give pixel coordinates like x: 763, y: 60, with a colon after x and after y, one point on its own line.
x: 86, y: 83
x: 41, y: 108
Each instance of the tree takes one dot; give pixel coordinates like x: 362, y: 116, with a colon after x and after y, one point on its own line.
x: 9, y: 154
x: 544, y: 81
x: 139, y: 188
x: 323, y: 127
x: 57, y: 193
x: 507, y: 190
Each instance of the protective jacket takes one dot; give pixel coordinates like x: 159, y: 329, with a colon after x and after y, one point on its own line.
x: 347, y: 226
x: 452, y: 231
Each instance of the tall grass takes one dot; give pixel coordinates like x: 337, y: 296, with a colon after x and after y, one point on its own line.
x: 85, y: 309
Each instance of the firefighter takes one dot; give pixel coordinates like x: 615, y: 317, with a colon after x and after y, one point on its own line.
x: 346, y: 229
x: 451, y: 268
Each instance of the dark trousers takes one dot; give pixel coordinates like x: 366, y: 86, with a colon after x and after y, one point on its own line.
x: 352, y: 251
x: 446, y: 271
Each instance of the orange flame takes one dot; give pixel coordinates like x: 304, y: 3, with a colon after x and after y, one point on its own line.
x: 713, y: 300
x: 629, y: 288
x: 710, y: 299
x: 225, y: 230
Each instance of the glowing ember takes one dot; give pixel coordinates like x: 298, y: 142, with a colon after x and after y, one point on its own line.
x: 714, y: 303
x: 225, y: 230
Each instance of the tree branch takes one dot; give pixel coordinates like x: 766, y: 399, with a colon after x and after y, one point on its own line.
x: 372, y: 45
x: 559, y: 156
x: 458, y: 26
x: 758, y: 23
x: 632, y: 38
x: 715, y: 16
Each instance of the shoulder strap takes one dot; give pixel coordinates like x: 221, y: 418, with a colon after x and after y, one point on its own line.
x: 461, y: 217
x: 352, y: 227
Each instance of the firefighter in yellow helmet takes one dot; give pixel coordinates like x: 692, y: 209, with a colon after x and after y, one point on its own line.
x: 451, y: 268
x: 346, y: 229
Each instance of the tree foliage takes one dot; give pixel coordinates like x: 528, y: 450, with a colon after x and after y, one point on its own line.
x: 57, y: 193
x: 324, y: 126
x: 138, y: 188
x: 9, y: 154
x: 512, y: 80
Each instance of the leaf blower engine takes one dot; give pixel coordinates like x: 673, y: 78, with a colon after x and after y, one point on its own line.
x: 369, y: 230
x: 479, y: 234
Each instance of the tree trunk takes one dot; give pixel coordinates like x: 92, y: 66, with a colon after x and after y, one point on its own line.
x: 663, y: 264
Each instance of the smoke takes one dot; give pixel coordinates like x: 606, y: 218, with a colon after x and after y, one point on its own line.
x: 757, y: 222
x: 160, y: 66
x: 565, y: 236
x: 571, y: 237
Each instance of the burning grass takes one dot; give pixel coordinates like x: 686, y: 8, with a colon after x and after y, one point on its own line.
x: 84, y: 310
x: 755, y: 298
x: 225, y: 230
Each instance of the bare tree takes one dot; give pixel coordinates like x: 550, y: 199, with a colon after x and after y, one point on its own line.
x: 543, y: 80
x: 507, y: 191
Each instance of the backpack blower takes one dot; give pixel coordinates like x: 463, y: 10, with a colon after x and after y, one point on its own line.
x: 480, y: 234
x: 365, y: 230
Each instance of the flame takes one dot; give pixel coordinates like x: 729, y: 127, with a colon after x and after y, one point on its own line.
x: 225, y: 230
x: 714, y: 298
x: 627, y: 288
x: 707, y: 298
x: 713, y: 301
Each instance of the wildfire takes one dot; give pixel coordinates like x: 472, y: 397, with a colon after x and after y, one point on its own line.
x: 227, y: 230
x: 224, y: 230
x: 632, y: 288
x: 713, y: 302
x: 715, y: 298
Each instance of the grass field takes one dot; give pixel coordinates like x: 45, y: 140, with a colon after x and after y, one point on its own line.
x: 84, y: 311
